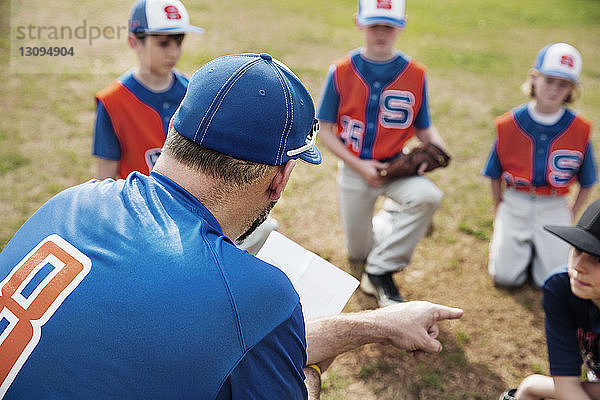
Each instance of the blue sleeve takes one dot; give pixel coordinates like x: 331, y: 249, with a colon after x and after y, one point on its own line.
x: 106, y: 144
x: 273, y: 368
x: 423, y: 120
x: 493, y: 168
x: 182, y: 78
x: 588, y: 173
x: 563, y: 352
x: 330, y: 99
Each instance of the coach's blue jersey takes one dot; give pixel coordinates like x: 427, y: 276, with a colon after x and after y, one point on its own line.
x: 128, y: 289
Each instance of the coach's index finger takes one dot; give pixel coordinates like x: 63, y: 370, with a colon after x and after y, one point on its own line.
x: 441, y: 312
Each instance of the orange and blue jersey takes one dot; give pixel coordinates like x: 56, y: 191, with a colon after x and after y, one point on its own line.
x: 132, y: 122
x: 527, y: 154
x: 376, y: 105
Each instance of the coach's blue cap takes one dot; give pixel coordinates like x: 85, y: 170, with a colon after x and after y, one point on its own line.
x: 381, y: 12
x: 166, y: 17
x: 251, y: 107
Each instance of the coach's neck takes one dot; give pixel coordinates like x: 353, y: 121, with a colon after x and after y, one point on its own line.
x: 233, y: 207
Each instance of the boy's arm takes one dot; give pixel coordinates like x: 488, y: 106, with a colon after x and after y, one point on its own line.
x: 496, y: 185
x: 368, y: 169
x: 580, y: 200
x: 106, y: 146
x: 430, y: 135
x: 571, y: 388
x: 107, y: 168
x: 535, y: 387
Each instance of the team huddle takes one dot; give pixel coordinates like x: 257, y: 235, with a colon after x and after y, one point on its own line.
x: 143, y: 283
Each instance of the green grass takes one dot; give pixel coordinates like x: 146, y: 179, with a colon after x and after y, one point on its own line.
x: 433, y: 380
x: 333, y: 382
x: 367, y: 370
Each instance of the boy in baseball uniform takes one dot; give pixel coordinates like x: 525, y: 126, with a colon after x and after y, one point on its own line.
x: 542, y: 148
x: 373, y: 101
x: 133, y: 112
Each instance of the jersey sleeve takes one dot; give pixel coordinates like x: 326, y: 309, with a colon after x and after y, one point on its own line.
x: 563, y: 352
x: 588, y: 172
x: 272, y: 369
x: 423, y: 119
x: 493, y: 168
x: 330, y: 99
x: 105, y: 144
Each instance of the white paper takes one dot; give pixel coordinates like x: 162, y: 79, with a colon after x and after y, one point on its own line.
x: 324, y: 289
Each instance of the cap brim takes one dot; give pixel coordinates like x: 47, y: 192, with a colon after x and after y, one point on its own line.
x: 559, y: 74
x: 398, y: 23
x: 176, y: 30
x: 312, y: 156
x: 577, y: 237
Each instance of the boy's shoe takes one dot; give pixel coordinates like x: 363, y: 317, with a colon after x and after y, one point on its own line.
x: 382, y: 287
x: 508, y: 395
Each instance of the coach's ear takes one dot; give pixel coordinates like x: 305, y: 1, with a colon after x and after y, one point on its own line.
x: 280, y: 180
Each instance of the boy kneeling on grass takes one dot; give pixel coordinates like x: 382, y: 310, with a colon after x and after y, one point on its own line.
x: 542, y: 149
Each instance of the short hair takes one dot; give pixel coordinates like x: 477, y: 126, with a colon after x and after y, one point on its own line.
x: 225, y: 168
x: 141, y: 36
x: 529, y: 91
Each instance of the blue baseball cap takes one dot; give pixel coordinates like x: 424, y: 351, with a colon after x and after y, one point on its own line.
x: 250, y: 107
x: 381, y: 12
x: 560, y: 60
x: 166, y: 17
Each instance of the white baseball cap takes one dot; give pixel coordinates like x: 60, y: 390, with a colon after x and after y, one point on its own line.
x: 560, y: 60
x: 162, y: 17
x: 384, y: 12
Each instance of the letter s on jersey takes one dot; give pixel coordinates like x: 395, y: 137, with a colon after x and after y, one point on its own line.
x: 563, y: 166
x: 396, y: 109
x: 30, y: 295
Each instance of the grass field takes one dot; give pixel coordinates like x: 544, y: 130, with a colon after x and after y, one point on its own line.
x: 477, y: 52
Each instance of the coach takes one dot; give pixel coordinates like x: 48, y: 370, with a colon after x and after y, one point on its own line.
x: 133, y: 289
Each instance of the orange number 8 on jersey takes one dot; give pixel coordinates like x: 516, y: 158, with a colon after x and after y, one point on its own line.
x: 30, y: 295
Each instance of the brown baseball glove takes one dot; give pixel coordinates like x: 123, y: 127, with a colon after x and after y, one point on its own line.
x: 408, y: 164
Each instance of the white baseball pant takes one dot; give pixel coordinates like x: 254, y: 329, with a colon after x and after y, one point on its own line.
x: 519, y: 238
x: 387, y: 241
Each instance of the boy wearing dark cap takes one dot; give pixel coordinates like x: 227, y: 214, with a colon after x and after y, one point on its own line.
x: 572, y: 307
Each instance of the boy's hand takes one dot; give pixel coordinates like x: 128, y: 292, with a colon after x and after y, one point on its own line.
x: 370, y: 171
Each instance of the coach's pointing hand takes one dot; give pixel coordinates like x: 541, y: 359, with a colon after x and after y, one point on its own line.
x: 409, y: 326
x: 413, y: 326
